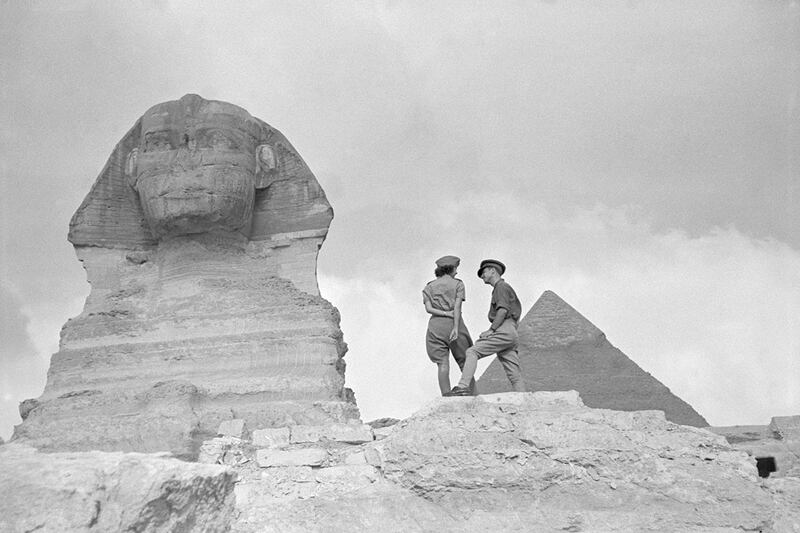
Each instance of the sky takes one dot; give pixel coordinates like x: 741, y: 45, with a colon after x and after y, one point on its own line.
x: 639, y: 158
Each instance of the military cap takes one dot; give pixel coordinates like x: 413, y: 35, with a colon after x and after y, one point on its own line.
x: 500, y: 267
x: 447, y: 261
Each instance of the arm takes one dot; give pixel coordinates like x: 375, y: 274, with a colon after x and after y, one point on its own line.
x: 499, y: 318
x: 456, y: 320
x: 432, y: 310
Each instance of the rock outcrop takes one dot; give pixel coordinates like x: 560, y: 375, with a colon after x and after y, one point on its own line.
x: 200, y: 240
x: 509, y: 462
x: 561, y: 350
x: 98, y: 491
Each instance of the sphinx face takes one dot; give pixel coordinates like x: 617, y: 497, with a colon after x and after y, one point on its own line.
x: 195, y: 167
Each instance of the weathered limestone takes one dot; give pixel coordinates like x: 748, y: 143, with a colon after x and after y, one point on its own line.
x: 199, y: 239
x: 271, y: 437
x: 352, y: 433
x: 520, y: 462
x: 300, y: 457
x: 561, y: 350
x: 775, y: 447
x: 98, y: 491
x: 232, y: 428
x: 224, y: 451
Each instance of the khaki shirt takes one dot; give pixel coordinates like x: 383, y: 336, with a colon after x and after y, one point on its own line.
x: 442, y: 292
x: 503, y: 296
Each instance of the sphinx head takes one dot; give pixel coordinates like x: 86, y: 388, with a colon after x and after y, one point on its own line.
x: 193, y: 166
x: 197, y: 167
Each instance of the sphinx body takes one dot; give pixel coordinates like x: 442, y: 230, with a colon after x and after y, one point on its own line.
x: 200, y: 240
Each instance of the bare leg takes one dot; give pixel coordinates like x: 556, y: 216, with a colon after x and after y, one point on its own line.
x: 444, y: 376
x: 470, y: 366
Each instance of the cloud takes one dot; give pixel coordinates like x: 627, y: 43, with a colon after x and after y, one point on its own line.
x: 487, y: 131
x: 22, y: 368
x: 713, y: 317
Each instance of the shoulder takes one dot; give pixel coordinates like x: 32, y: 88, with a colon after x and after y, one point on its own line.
x: 503, y: 287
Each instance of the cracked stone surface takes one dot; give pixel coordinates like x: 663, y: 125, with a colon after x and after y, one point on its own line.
x: 98, y: 491
x: 521, y: 462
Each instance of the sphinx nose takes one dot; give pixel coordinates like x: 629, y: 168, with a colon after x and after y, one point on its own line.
x: 189, y: 141
x: 187, y: 156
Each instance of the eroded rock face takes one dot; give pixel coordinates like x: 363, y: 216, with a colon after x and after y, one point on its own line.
x: 516, y: 462
x: 582, y: 467
x: 97, y: 491
x: 200, y: 240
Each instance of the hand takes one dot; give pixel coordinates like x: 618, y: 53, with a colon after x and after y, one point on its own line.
x: 453, y: 335
x: 485, y: 334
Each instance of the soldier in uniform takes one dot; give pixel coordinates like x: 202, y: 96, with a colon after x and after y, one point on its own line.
x: 501, y: 337
x: 447, y: 332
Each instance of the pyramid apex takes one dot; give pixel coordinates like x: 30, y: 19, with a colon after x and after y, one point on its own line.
x: 553, y: 322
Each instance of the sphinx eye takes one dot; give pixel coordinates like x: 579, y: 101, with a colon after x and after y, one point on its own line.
x: 157, y: 142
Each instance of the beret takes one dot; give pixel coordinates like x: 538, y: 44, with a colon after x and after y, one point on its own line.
x: 448, y: 260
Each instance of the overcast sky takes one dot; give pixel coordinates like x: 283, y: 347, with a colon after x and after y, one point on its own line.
x: 639, y: 158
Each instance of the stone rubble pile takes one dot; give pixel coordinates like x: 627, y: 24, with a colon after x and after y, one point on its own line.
x: 501, y: 462
x: 301, y: 461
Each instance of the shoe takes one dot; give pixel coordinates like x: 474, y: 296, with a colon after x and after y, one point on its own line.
x: 458, y: 391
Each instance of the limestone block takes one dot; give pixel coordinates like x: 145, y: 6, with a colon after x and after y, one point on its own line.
x: 98, y: 491
x: 302, y: 434
x: 347, y: 477
x: 271, y: 437
x: 350, y: 433
x: 232, y: 428
x: 356, y: 458
x: 299, y: 457
x: 297, y: 474
x: 382, y: 433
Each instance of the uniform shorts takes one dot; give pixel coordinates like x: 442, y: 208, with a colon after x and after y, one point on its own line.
x: 437, y: 341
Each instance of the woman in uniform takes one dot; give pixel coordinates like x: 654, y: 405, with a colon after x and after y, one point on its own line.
x: 447, y: 332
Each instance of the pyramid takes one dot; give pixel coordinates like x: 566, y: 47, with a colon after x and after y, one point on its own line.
x: 561, y: 350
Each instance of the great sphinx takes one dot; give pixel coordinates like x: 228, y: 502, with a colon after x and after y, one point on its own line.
x: 200, y: 240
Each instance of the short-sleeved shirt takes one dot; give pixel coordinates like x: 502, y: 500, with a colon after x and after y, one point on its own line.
x: 503, y: 296
x: 443, y: 291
